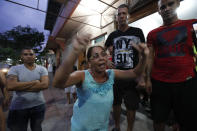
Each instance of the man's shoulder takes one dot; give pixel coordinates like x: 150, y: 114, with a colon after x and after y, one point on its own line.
x: 17, y: 66
x: 113, y: 33
x: 134, y: 28
x: 188, y: 21
x: 40, y: 67
x: 14, y: 69
x: 135, y: 31
x: 156, y: 30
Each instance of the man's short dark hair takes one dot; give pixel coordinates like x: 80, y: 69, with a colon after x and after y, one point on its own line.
x: 123, y: 6
x: 26, y: 48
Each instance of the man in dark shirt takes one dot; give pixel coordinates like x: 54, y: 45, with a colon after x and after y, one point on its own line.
x: 124, y: 57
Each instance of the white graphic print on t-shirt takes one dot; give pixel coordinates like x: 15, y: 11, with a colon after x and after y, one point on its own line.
x: 123, y: 52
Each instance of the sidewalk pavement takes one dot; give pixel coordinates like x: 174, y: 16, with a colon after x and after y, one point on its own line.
x: 58, y: 114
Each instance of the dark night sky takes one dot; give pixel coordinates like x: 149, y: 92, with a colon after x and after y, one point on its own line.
x: 12, y: 15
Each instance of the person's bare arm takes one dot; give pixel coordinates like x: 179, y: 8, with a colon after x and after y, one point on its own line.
x: 2, y: 79
x: 63, y: 72
x: 141, y: 81
x: 12, y: 84
x: 75, y: 78
x: 139, y: 69
x: 149, y: 69
x: 4, y: 90
x: 6, y: 98
x: 42, y: 85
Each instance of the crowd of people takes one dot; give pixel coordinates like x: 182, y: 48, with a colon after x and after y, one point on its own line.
x: 164, y: 65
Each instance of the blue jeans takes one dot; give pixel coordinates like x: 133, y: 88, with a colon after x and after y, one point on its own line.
x: 18, y: 119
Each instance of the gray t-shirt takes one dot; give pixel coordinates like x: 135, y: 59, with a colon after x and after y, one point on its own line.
x: 24, y: 100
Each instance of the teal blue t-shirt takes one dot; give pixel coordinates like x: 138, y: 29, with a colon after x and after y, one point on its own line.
x: 92, y: 109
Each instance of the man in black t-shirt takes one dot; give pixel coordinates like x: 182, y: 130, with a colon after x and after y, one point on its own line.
x: 124, y: 57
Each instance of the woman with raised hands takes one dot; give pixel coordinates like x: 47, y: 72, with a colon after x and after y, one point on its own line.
x: 91, y: 111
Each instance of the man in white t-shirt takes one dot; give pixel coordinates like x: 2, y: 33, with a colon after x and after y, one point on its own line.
x: 28, y: 104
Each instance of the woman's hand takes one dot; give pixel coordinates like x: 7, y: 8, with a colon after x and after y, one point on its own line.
x: 142, y: 49
x: 80, y: 43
